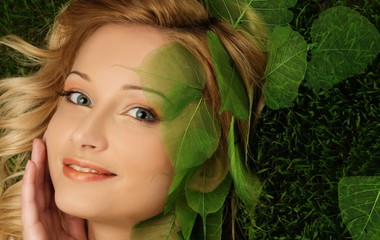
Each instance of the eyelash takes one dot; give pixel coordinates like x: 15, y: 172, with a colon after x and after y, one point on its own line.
x: 152, y: 116
x: 68, y: 94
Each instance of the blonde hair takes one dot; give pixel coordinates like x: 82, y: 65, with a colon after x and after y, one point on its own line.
x: 28, y: 103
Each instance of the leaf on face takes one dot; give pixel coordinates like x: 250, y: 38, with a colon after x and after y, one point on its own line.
x: 190, y: 139
x: 173, y: 80
x: 286, y: 67
x: 359, y: 202
x: 233, y: 94
x: 344, y: 43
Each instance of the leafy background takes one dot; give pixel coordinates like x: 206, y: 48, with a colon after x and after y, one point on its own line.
x: 302, y: 151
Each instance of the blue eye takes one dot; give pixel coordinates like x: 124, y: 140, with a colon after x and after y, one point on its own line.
x: 142, y: 114
x: 77, y: 98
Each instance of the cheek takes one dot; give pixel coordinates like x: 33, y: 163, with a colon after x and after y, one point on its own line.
x: 51, y: 129
x: 144, y: 161
x: 60, y: 126
x: 55, y: 137
x: 144, y: 151
x: 55, y: 132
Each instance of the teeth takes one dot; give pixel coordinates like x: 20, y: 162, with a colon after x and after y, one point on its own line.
x: 85, y: 170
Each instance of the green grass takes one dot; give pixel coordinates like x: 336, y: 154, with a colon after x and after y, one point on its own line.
x: 306, y: 149
x: 301, y: 152
x: 29, y: 19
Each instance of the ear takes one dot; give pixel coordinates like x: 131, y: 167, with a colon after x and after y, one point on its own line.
x: 207, y: 177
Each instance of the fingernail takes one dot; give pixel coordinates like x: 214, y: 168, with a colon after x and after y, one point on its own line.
x: 34, y: 147
x: 34, y: 142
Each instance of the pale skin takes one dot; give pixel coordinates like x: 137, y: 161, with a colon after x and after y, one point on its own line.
x: 40, y: 215
x: 107, y: 126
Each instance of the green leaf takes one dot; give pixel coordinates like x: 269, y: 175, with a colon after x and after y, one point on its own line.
x: 173, y: 81
x: 190, y: 139
x: 158, y: 228
x: 211, y: 202
x: 171, y: 78
x: 286, y: 67
x: 233, y: 94
x: 214, y: 225
x: 186, y: 217
x: 273, y: 12
x: 359, y: 202
x: 344, y: 43
x: 247, y: 186
x: 228, y: 10
x: 213, y: 230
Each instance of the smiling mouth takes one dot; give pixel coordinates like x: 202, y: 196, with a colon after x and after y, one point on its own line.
x: 88, y: 170
x: 84, y: 171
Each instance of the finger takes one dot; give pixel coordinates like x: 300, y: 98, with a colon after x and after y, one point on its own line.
x: 75, y: 227
x: 29, y: 208
x: 39, y: 158
x: 48, y: 189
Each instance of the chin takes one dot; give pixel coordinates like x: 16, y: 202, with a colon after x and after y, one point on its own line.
x: 74, y: 205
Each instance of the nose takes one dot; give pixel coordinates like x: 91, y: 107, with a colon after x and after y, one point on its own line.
x: 90, y: 133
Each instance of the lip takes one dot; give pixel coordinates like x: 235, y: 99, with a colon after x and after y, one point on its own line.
x: 69, y: 172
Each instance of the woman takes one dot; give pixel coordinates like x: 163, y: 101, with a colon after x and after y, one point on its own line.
x: 130, y: 118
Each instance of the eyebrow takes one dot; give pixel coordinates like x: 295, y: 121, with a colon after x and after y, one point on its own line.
x: 82, y: 75
x: 125, y: 86
x: 150, y: 90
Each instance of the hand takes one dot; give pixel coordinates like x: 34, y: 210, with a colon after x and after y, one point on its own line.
x: 40, y: 216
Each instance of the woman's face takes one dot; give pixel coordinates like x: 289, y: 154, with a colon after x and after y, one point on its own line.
x: 105, y: 152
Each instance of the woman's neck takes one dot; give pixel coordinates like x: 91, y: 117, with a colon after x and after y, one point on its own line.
x: 104, y: 231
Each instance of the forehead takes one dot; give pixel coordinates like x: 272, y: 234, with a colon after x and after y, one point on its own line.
x: 165, y: 68
x: 114, y: 44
